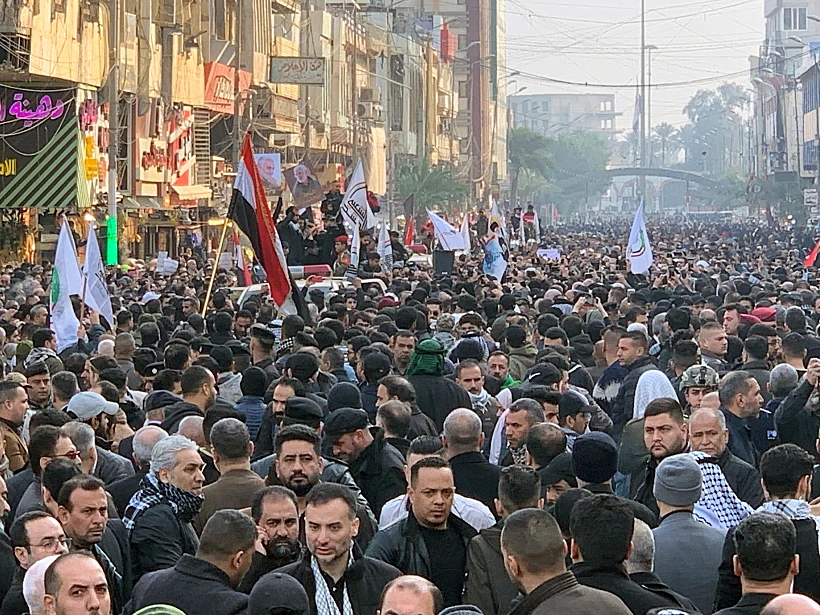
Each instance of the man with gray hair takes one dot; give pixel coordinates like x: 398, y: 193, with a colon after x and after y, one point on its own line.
x: 143, y: 445
x: 105, y: 465
x: 158, y: 517
x: 708, y: 434
x: 640, y: 565
x: 783, y: 379
x: 237, y: 484
x: 523, y: 414
x: 463, y: 439
x: 740, y: 400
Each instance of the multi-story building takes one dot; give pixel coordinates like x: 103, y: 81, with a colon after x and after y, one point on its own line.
x: 552, y: 114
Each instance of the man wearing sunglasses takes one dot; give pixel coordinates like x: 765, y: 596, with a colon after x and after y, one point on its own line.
x: 47, y: 443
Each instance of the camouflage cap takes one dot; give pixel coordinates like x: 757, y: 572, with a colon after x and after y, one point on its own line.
x: 699, y: 376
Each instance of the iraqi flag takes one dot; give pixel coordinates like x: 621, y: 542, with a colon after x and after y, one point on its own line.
x: 249, y: 209
x: 812, y: 256
x: 241, y: 264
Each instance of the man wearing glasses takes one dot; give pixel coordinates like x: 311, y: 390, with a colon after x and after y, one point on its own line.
x: 34, y: 536
x: 47, y: 443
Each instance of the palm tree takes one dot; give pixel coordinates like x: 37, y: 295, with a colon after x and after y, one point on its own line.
x: 528, y: 152
x: 666, y: 134
x: 431, y: 187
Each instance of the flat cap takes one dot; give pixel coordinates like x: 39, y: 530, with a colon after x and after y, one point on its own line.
x: 345, y: 420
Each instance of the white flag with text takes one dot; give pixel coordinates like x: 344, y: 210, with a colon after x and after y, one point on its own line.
x: 638, y: 251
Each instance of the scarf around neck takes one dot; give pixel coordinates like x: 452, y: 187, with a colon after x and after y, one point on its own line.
x: 325, y: 604
x: 152, y: 492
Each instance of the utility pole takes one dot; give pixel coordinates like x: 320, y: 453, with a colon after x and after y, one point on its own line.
x: 237, y: 64
x: 111, y: 244
x: 354, y: 80
x: 642, y: 181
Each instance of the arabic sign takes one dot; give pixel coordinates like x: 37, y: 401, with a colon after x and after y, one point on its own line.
x: 153, y: 160
x: 302, y: 71
x: 219, y: 86
x: 30, y: 119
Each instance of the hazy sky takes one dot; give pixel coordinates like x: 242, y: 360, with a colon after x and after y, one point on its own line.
x: 598, y: 41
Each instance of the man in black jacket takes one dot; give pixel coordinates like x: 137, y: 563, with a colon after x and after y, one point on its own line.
x: 205, y: 583
x: 377, y: 467
x: 602, y: 527
x: 633, y: 354
x: 796, y: 419
x: 786, y: 471
x: 474, y: 476
x: 708, y: 434
x: 766, y: 561
x: 740, y: 400
x: 430, y: 542
x: 83, y: 513
x: 198, y: 393
x: 325, y: 571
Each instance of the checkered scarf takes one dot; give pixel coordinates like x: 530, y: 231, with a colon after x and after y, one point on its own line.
x: 794, y: 510
x: 718, y: 505
x: 153, y: 492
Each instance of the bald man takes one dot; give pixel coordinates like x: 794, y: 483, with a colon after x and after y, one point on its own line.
x: 474, y: 476
x: 791, y: 604
x: 410, y: 595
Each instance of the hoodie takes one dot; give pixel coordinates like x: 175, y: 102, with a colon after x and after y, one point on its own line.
x: 178, y: 411
x: 521, y: 359
x: 229, y: 385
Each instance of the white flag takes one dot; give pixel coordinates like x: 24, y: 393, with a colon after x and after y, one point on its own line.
x: 96, y: 290
x: 522, y: 236
x: 355, y: 210
x: 638, y: 251
x: 465, y: 232
x: 497, y: 217
x: 385, y: 249
x: 536, y: 224
x: 355, y: 247
x: 449, y: 237
x: 65, y: 281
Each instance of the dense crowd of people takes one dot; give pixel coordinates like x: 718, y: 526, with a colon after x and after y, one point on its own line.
x: 572, y: 439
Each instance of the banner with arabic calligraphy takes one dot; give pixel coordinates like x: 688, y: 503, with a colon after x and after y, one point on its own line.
x: 38, y: 147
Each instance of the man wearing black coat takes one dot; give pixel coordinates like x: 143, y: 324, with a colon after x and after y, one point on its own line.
x: 325, y: 571
x: 430, y: 542
x: 474, y: 476
x: 633, y: 354
x: 602, y: 528
x: 205, y: 583
x: 796, y: 421
x: 377, y: 467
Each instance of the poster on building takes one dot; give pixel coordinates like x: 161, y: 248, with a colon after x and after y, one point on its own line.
x: 304, y: 186
x: 39, y: 138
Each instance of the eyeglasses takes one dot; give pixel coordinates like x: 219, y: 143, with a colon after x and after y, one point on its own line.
x: 69, y: 455
x: 50, y: 543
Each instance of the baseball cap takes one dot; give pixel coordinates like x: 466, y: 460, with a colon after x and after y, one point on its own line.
x: 87, y: 405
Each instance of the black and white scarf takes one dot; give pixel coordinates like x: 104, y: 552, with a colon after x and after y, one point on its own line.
x: 152, y: 492
x: 325, y: 604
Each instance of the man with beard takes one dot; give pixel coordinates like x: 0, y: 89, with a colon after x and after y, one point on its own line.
x: 470, y: 377
x: 198, y: 394
x: 665, y: 434
x: 299, y: 465
x: 83, y: 513
x: 377, y: 467
x: 327, y: 572
x: 276, y: 514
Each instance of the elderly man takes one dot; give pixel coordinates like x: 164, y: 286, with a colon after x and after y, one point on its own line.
x: 708, y: 434
x: 105, y: 465
x: 34, y: 590
x: 143, y: 445
x: 158, y: 517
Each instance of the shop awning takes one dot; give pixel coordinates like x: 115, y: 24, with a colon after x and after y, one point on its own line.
x: 141, y: 202
x: 192, y: 193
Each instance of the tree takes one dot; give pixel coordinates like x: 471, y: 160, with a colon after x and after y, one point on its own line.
x: 578, y: 161
x: 667, y: 137
x: 527, y: 151
x: 432, y: 187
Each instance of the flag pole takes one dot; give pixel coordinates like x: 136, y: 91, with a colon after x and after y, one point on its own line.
x: 82, y: 302
x: 216, y: 264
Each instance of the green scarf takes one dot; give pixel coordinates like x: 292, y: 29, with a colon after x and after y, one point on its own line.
x: 509, y: 382
x: 427, y: 359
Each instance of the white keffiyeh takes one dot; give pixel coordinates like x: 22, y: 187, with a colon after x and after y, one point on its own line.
x: 325, y: 604
x: 718, y: 505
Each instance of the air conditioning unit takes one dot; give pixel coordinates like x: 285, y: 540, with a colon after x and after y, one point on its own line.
x: 369, y: 95
x: 369, y: 111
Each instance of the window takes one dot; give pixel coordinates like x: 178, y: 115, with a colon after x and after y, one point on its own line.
x: 606, y: 124
x: 462, y: 41
x: 219, y: 20
x: 794, y: 18
x: 462, y: 89
x: 606, y: 105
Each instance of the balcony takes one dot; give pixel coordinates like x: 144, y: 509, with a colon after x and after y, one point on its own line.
x: 277, y: 113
